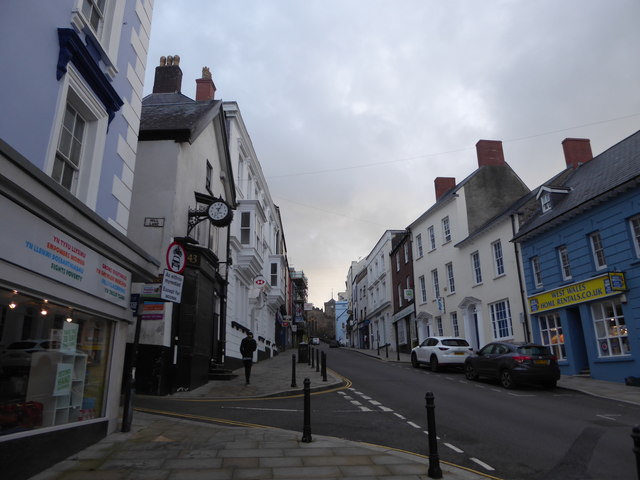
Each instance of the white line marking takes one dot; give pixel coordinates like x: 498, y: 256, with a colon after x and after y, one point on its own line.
x: 455, y: 449
x: 520, y: 394
x: 365, y: 397
x: 373, y: 402
x: 355, y: 402
x: 385, y: 409
x: 482, y: 464
x: 609, y: 416
x: 414, y: 425
x: 365, y: 409
x: 399, y: 416
x: 341, y: 393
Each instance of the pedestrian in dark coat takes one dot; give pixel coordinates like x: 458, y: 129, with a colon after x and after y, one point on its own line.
x: 247, y: 347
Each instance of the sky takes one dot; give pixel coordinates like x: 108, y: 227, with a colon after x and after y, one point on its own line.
x: 354, y: 107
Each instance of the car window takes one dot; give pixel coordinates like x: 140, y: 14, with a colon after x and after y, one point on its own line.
x: 455, y: 342
x: 431, y: 342
x: 487, y: 349
x: 424, y: 343
x: 502, y: 349
x: 533, y: 350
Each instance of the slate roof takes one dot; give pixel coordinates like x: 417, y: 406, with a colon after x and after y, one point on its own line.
x: 173, y: 116
x: 609, y: 173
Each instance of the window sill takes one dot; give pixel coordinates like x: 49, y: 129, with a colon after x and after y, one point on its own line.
x: 615, y: 359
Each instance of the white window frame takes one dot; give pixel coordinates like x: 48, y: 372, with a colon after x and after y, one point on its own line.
x: 397, y: 261
x: 565, y: 266
x: 612, y: 335
x: 274, y: 274
x: 420, y: 251
x: 446, y: 230
x: 454, y: 324
x: 432, y: 237
x: 435, y: 283
x: 245, y: 228
x: 476, y: 268
x: 208, y: 176
x: 551, y: 334
x: 536, y: 272
x: 545, y: 201
x: 450, y: 278
x: 406, y: 253
x: 501, y: 322
x: 400, y: 295
x: 597, y: 250
x: 634, y: 224
x: 498, y: 258
x: 80, y: 96
x: 423, y: 288
x: 439, y: 327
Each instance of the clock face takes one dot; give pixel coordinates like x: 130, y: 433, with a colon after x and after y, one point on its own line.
x: 218, y: 210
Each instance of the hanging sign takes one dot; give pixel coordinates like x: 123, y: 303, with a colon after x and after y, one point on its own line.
x: 176, y: 257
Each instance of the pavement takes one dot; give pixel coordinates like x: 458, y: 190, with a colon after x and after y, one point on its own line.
x: 167, y: 448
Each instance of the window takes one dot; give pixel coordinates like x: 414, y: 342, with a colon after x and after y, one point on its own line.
x: 402, y: 333
x: 501, y: 319
x: 419, y: 244
x: 475, y: 266
x: 432, y: 238
x: 446, y: 231
x: 563, y: 256
x: 545, y: 201
x: 450, y: 279
x: 274, y: 274
x: 635, y: 231
x: 454, y: 324
x: 397, y: 262
x: 208, y: 177
x: 69, y: 151
x: 598, y: 251
x: 245, y: 228
x: 535, y: 269
x: 400, y: 295
x: 497, y: 258
x: 439, y: 328
x: 423, y: 288
x: 551, y: 333
x: 436, y: 283
x: 406, y: 253
x: 611, y: 329
x: 93, y: 11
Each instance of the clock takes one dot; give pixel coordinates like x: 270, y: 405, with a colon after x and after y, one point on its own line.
x: 220, y: 213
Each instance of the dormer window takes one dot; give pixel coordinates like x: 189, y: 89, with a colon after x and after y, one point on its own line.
x: 545, y: 201
x: 546, y: 196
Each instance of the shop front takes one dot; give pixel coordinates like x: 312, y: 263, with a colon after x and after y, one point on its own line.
x: 586, y: 324
x: 65, y: 279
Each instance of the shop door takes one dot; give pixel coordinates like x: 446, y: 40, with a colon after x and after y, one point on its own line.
x: 577, y: 351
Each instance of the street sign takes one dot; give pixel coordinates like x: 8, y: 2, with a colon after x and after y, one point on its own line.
x: 176, y: 257
x: 171, y: 286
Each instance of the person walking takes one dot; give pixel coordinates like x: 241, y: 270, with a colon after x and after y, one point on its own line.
x: 247, y: 347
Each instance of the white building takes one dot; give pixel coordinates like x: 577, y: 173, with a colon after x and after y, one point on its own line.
x: 465, y: 268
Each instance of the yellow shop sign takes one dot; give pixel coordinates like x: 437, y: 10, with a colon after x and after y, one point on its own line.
x: 592, y: 289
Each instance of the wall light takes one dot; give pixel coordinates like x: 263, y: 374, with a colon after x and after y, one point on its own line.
x: 13, y: 305
x: 43, y: 311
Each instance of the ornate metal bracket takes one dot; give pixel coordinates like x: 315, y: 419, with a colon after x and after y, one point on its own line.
x: 196, y: 215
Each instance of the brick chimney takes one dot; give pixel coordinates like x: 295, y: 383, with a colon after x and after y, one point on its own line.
x: 205, y: 88
x: 576, y: 151
x: 443, y: 185
x: 168, y: 75
x: 489, y: 153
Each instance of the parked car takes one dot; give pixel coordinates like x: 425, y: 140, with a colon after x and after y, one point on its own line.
x: 440, y: 352
x: 333, y: 344
x: 16, y: 359
x: 315, y: 341
x: 514, y: 363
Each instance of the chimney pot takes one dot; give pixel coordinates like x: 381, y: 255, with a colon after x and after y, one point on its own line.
x: 576, y: 151
x: 205, y: 88
x: 443, y: 185
x: 489, y: 153
x: 168, y: 77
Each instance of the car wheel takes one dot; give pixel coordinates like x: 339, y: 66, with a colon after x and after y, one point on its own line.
x: 434, y: 363
x: 470, y: 372
x: 414, y: 361
x: 506, y: 379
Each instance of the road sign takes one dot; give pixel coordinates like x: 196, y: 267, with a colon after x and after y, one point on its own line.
x: 171, y: 286
x: 176, y: 257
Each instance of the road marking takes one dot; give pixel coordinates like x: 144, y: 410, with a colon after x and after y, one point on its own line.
x: 455, y: 449
x: 355, y: 402
x: 262, y: 409
x: 365, y: 409
x: 347, y: 397
x: 519, y: 394
x: 385, y: 409
x: 608, y: 416
x: 365, y: 397
x: 414, y: 425
x: 373, y: 402
x: 399, y: 416
x: 482, y: 464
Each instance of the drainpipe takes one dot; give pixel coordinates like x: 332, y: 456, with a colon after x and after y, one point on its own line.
x: 527, y: 332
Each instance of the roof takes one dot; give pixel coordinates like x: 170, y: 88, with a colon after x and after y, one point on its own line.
x: 607, y: 174
x: 173, y: 116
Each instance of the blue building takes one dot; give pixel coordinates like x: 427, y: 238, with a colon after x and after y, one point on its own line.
x: 71, y: 99
x: 580, y: 251
x: 341, y: 321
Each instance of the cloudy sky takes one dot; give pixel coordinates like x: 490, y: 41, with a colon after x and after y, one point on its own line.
x: 354, y: 107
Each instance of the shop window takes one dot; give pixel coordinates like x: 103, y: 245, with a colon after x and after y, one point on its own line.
x: 53, y: 370
x: 611, y: 329
x: 551, y: 334
x: 501, y: 320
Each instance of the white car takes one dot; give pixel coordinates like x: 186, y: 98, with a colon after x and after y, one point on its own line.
x: 441, y: 351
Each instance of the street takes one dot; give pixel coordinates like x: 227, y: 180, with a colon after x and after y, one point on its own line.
x: 529, y: 433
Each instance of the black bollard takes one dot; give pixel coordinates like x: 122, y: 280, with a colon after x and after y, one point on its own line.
x: 306, y: 429
x: 378, y: 347
x: 386, y: 347
x: 635, y: 434
x: 434, y: 459
x: 317, y: 360
x: 324, y: 367
x: 293, y: 371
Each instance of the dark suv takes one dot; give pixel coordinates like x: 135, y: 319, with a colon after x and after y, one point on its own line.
x: 514, y: 363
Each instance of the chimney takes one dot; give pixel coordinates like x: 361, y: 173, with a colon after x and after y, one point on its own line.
x: 443, y: 185
x: 576, y: 151
x: 168, y: 75
x: 489, y: 153
x: 205, y: 88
